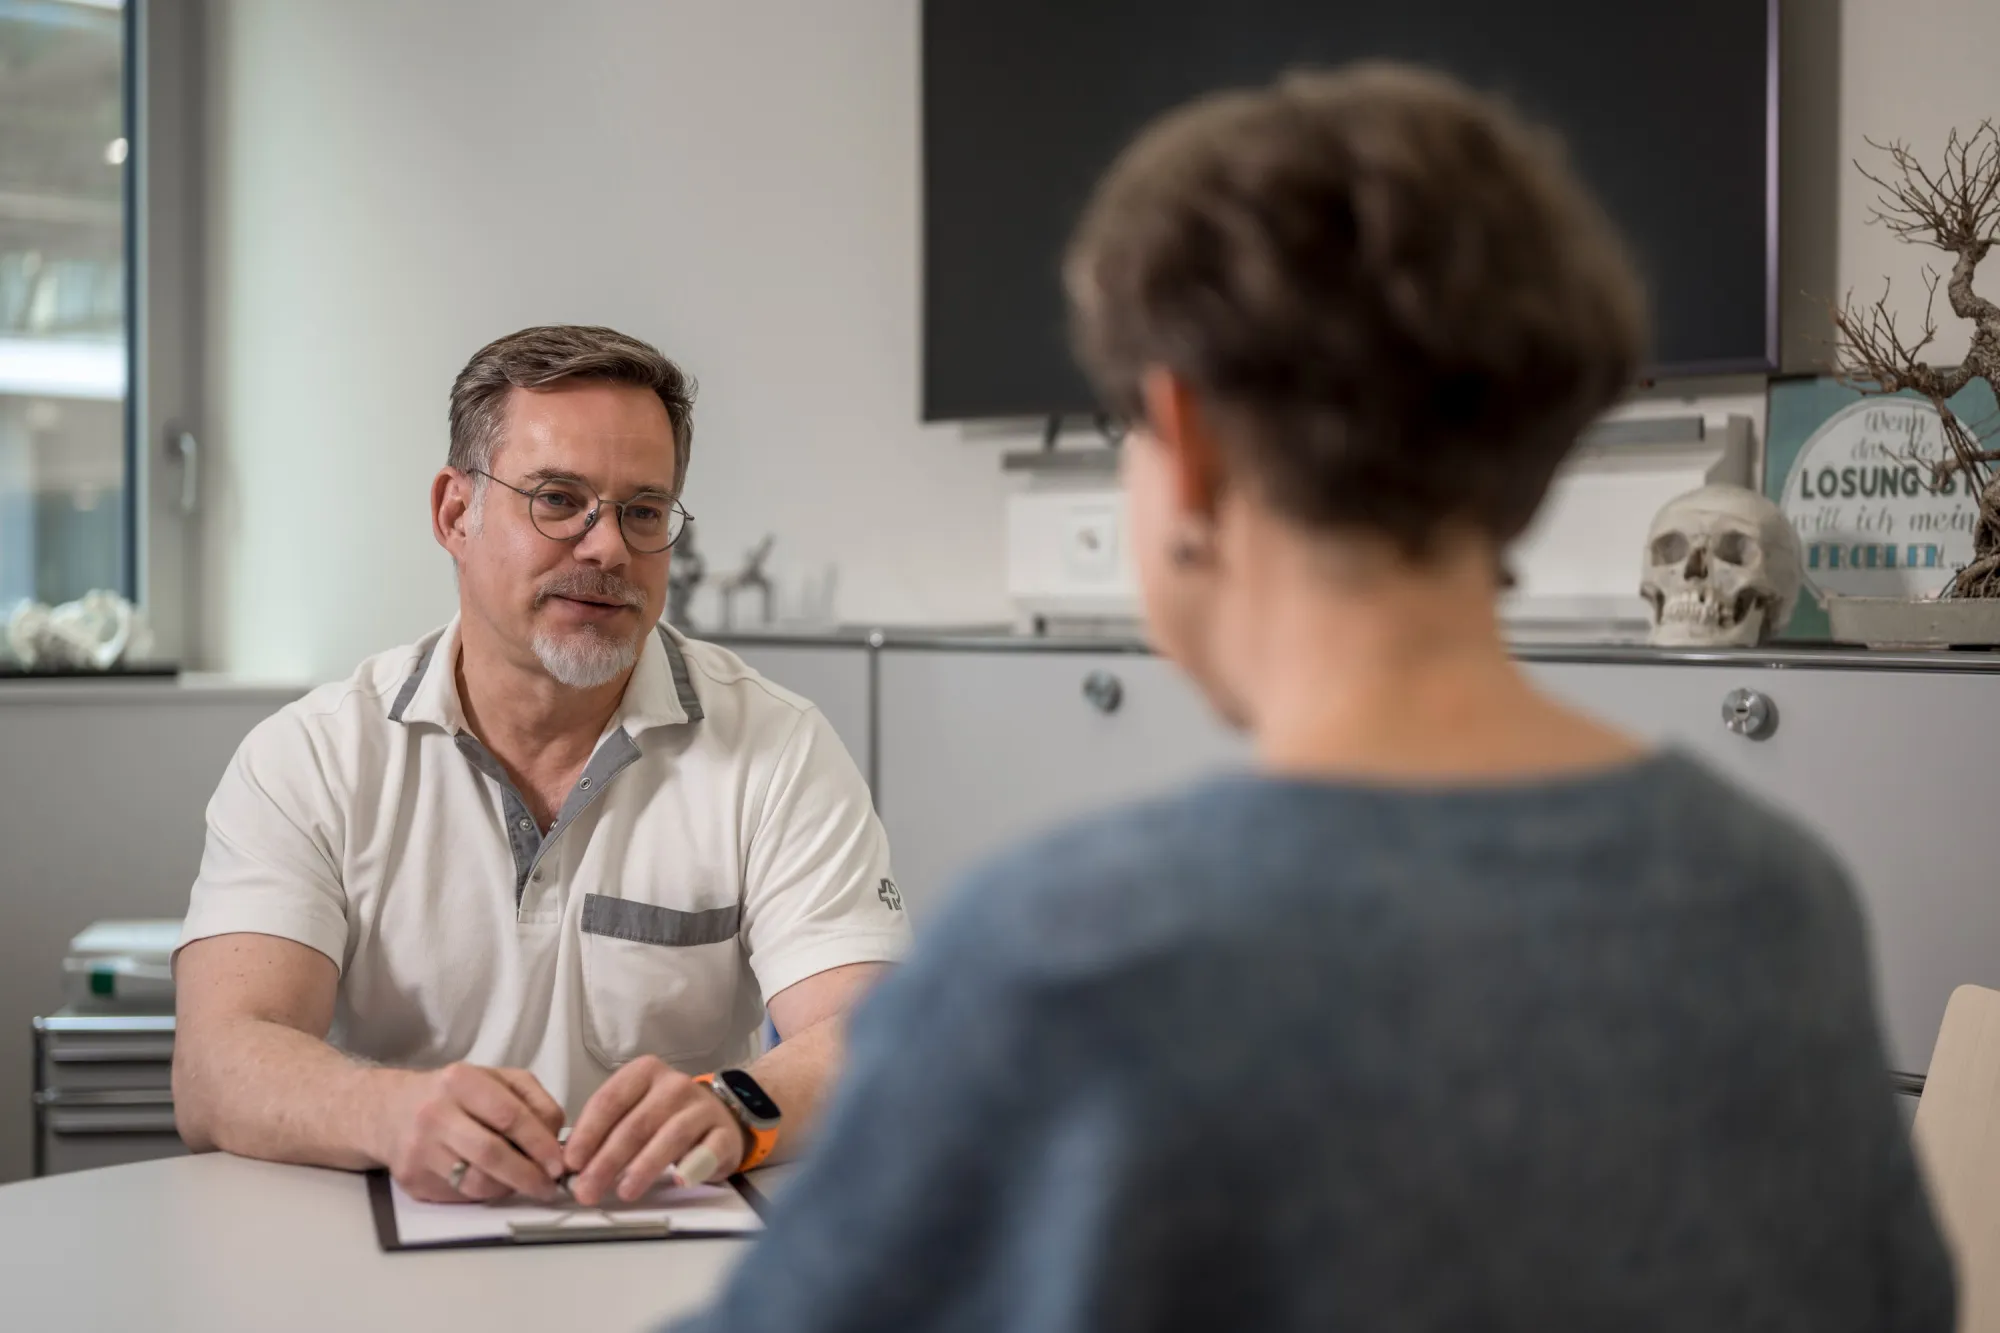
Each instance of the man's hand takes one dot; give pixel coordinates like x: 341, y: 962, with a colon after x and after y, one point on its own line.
x: 646, y: 1118
x: 501, y: 1122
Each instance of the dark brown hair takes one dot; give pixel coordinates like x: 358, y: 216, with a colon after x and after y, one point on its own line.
x: 538, y: 357
x: 1389, y: 294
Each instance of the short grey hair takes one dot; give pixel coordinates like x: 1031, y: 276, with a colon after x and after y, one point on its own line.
x: 550, y: 354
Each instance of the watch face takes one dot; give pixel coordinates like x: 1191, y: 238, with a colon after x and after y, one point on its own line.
x: 747, y: 1091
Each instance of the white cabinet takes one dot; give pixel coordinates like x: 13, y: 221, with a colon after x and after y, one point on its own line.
x: 833, y: 676
x: 1887, y: 766
x: 980, y: 745
x: 979, y: 748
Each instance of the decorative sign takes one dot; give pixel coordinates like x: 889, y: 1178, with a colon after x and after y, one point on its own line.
x: 1871, y: 520
x: 1852, y: 474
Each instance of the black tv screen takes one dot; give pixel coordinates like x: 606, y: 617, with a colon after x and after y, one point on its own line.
x: 1668, y: 108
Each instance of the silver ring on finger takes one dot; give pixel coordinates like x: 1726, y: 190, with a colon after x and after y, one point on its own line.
x: 457, y: 1177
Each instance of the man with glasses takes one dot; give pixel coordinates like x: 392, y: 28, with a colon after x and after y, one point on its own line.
x: 552, y: 864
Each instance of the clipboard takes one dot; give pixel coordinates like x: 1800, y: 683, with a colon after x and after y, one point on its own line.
x: 581, y: 1226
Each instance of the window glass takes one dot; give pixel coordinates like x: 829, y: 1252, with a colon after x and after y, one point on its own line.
x: 64, y: 355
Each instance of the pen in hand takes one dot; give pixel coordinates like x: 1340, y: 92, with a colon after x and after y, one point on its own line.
x: 694, y: 1169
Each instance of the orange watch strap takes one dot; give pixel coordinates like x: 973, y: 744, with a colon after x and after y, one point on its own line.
x: 763, y: 1142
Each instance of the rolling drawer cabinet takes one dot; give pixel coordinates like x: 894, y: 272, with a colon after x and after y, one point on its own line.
x: 978, y: 748
x: 103, y: 1091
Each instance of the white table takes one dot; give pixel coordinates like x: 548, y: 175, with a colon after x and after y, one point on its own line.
x: 218, y: 1244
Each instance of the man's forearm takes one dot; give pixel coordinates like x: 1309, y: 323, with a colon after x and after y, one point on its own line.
x: 261, y: 1089
x: 798, y: 1073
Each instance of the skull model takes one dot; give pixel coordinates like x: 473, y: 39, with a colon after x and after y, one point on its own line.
x: 1723, y: 567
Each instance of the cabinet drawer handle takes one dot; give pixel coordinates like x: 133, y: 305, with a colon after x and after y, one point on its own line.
x: 153, y: 1051
x: 130, y: 1120
x: 1104, y: 690
x: 1750, y: 714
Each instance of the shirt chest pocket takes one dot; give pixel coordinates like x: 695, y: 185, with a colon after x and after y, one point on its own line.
x: 658, y: 980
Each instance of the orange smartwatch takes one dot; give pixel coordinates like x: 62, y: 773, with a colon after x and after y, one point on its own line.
x: 752, y: 1107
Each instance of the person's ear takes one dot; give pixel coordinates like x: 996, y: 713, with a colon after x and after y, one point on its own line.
x: 1174, y: 417
x: 451, y: 510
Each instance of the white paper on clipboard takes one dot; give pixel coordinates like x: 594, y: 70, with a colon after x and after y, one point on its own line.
x: 698, y: 1208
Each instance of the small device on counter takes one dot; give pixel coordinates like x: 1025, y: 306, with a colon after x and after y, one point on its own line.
x: 1069, y: 560
x: 122, y: 967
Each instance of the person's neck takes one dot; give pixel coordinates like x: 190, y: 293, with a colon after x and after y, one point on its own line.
x: 522, y: 714
x: 1386, y: 671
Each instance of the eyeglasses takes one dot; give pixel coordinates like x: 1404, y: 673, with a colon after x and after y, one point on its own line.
x: 564, y: 511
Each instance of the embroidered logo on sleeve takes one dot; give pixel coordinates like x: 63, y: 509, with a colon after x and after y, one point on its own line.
x: 891, y: 896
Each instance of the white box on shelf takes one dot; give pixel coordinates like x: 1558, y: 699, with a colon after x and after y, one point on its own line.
x: 1068, y: 555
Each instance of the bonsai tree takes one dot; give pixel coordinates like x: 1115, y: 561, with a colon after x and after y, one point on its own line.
x: 1954, y: 207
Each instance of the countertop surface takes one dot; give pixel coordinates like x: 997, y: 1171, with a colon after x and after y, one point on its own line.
x: 1003, y: 638
x: 215, y: 689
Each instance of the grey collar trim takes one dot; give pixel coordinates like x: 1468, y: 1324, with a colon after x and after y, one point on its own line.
x: 684, y: 690
x: 416, y: 678
x: 683, y: 681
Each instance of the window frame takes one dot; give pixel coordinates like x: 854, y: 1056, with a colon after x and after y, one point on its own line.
x: 165, y: 125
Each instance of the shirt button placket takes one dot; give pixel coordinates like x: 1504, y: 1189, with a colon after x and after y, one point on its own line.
x: 528, y: 840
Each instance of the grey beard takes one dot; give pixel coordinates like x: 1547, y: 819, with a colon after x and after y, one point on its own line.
x: 586, y: 659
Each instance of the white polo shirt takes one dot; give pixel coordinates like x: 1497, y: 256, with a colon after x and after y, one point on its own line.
x: 719, y: 846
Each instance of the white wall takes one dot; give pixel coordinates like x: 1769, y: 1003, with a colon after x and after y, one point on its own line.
x: 1912, y: 70
x: 392, y: 184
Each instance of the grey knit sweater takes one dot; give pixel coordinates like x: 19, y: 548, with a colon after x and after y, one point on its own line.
x: 1593, y: 1054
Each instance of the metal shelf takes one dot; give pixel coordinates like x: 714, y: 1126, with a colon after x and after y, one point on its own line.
x: 991, y: 639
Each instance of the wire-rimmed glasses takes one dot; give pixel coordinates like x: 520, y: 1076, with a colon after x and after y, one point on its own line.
x: 563, y: 509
